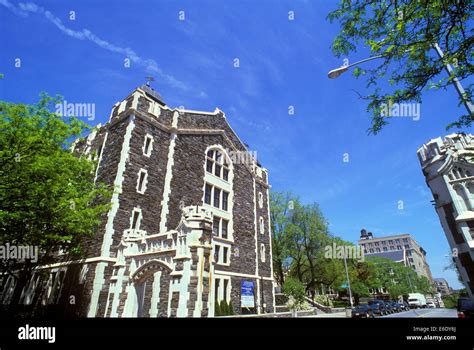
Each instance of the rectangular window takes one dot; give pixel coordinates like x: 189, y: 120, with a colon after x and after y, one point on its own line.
x: 226, y: 174
x: 216, y: 295
x: 209, y: 165
x: 147, y: 146
x: 226, y: 285
x: 216, y: 254
x: 141, y: 181
x: 136, y: 215
x: 225, y: 199
x: 217, y: 195
x: 215, y: 226
x: 225, y: 258
x: 217, y: 170
x: 225, y: 226
x: 385, y: 249
x: 207, y: 194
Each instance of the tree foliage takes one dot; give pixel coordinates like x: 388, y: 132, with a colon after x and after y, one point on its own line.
x: 48, y: 198
x: 404, y: 32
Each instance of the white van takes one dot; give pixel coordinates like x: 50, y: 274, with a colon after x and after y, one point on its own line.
x: 416, y: 300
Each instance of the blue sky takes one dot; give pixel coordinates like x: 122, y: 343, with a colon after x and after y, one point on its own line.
x: 282, y: 63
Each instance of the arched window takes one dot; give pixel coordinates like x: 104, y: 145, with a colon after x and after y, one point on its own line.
x: 218, y: 164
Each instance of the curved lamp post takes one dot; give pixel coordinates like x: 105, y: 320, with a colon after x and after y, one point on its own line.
x: 333, y: 74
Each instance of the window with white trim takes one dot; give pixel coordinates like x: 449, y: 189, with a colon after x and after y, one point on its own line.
x: 142, y: 181
x: 262, y: 252
x: 222, y: 288
x: 217, y: 164
x: 216, y: 197
x: 262, y: 226
x: 148, y: 145
x: 221, y: 254
x: 220, y: 227
x: 260, y: 200
x: 135, y: 219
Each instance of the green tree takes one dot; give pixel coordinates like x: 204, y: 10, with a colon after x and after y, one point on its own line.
x: 48, y: 198
x: 403, y: 32
x: 294, y: 289
x: 280, y: 211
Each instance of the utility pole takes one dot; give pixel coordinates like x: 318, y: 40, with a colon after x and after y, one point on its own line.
x: 456, y: 82
x: 348, y: 281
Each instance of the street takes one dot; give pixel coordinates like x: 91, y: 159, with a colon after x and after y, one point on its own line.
x: 443, y: 313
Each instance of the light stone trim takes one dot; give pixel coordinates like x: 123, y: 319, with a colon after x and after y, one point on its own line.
x: 109, y: 229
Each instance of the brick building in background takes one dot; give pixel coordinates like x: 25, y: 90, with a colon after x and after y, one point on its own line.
x: 400, y: 248
x: 188, y: 224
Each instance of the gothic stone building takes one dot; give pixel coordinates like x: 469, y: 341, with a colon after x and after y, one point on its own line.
x: 448, y: 167
x: 188, y: 224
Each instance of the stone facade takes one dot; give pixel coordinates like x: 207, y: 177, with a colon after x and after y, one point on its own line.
x: 448, y: 166
x: 168, y: 247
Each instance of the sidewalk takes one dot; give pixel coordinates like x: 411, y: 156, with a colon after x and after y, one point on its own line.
x: 332, y: 315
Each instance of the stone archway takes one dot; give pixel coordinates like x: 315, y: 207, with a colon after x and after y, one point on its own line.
x: 151, y: 282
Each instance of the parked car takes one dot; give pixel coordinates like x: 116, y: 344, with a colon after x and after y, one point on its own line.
x: 465, y: 308
x: 390, y: 305
x: 363, y: 311
x: 397, y: 306
x: 378, y: 307
x: 430, y: 305
x: 404, y: 306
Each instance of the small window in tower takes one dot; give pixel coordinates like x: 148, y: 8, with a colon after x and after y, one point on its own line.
x: 135, y: 224
x: 262, y: 226
x: 148, y: 145
x: 141, y: 182
x: 225, y: 200
x: 207, y: 194
x: 260, y: 200
x: 262, y: 252
x: 217, y: 195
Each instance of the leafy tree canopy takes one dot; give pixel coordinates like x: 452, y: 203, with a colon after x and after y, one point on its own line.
x: 48, y: 198
x: 403, y: 32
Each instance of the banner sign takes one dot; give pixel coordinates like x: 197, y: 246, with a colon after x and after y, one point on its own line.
x: 247, y: 294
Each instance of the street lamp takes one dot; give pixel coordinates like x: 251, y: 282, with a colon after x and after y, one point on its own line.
x: 333, y: 74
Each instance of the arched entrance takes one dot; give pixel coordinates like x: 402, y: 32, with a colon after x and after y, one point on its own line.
x: 151, y: 282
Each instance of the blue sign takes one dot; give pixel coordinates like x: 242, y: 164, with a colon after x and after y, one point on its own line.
x: 247, y: 298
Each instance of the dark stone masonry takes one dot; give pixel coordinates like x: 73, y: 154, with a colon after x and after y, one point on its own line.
x: 188, y: 223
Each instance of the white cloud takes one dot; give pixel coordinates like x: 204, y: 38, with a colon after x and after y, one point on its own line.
x: 150, y: 65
